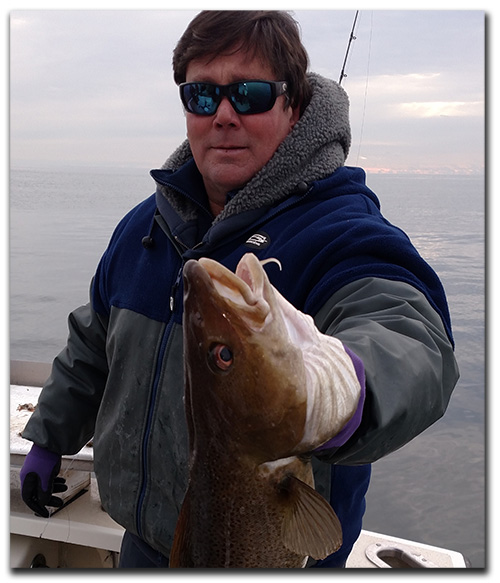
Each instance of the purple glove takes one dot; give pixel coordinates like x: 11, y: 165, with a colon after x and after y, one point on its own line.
x: 39, y: 481
x: 351, y: 426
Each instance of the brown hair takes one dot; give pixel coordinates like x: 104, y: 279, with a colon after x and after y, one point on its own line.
x: 271, y: 35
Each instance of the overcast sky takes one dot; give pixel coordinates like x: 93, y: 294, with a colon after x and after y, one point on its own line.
x: 95, y: 88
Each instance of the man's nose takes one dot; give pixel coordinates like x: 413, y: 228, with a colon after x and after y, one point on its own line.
x: 225, y: 114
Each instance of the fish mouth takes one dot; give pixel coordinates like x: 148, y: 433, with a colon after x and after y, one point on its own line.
x: 246, y: 291
x: 249, y: 294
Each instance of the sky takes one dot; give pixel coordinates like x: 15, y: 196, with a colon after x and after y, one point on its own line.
x: 95, y: 87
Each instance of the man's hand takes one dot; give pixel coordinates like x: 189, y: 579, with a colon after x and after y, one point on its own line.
x: 39, y: 480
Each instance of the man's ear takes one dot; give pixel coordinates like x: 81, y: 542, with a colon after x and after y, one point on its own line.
x: 295, y: 116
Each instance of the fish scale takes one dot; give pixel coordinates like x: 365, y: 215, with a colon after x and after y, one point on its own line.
x: 241, y: 527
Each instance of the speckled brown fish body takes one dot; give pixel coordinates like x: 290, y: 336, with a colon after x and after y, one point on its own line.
x: 250, y: 500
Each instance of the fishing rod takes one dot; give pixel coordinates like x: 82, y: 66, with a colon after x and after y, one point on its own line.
x: 351, y: 38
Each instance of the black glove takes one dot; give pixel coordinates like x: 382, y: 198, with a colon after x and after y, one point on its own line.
x: 39, y: 480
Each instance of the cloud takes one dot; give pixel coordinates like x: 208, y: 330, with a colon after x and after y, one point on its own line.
x: 444, y: 85
x: 442, y: 108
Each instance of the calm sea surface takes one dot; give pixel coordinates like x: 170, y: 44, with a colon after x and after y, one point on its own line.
x: 433, y: 489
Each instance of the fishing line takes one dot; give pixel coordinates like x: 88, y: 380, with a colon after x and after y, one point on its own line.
x: 63, y: 474
x: 366, y: 88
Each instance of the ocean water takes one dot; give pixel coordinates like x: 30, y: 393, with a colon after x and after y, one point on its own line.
x: 433, y: 489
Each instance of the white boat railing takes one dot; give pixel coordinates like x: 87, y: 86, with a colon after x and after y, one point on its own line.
x: 31, y: 374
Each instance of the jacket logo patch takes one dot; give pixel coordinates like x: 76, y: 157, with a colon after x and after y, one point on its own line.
x: 259, y: 240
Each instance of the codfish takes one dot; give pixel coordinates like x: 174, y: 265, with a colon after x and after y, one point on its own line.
x: 255, y: 408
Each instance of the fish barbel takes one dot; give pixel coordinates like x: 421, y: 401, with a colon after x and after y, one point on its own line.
x: 250, y: 500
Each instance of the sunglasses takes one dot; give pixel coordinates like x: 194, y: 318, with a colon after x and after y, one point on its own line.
x: 246, y: 97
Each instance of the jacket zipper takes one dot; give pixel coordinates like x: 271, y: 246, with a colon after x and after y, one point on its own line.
x: 175, y: 287
x: 156, y: 383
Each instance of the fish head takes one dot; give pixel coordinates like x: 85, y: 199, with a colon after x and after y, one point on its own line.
x: 245, y: 377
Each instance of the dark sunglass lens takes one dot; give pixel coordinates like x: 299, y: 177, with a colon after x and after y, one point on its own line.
x: 252, y: 97
x: 200, y: 98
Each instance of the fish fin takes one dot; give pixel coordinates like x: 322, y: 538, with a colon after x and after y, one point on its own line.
x: 310, y: 526
x: 180, y: 551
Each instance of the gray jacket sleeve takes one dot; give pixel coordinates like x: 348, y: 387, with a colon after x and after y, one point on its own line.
x: 64, y: 418
x: 408, y: 358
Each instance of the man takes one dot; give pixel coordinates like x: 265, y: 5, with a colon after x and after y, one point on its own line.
x: 264, y: 161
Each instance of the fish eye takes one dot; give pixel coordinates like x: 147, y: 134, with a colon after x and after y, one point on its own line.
x: 221, y: 356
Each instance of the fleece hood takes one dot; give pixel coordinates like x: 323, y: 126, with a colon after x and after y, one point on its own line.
x: 316, y: 147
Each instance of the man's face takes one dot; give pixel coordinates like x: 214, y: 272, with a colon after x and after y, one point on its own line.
x: 228, y: 148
